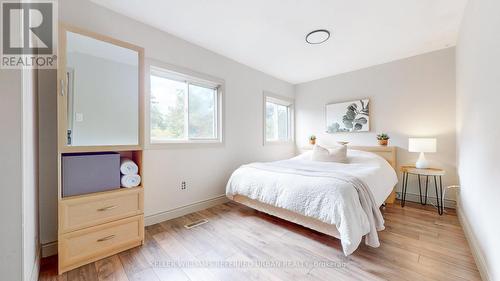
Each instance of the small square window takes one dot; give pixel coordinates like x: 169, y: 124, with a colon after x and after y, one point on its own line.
x: 278, y: 116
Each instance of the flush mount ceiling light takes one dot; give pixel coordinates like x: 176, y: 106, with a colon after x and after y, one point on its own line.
x: 317, y: 36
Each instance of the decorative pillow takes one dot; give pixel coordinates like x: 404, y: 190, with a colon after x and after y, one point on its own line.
x: 335, y: 154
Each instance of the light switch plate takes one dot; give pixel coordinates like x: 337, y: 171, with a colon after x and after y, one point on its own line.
x: 79, y: 117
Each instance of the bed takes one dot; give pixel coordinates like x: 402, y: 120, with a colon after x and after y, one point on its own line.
x: 341, y: 200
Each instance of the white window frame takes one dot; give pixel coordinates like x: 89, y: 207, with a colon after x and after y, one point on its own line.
x: 281, y: 100
x: 194, y: 78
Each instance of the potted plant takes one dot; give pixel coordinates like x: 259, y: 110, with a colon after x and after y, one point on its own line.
x: 312, y: 139
x: 383, y: 139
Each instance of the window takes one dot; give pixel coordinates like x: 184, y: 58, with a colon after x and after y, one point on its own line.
x: 183, y: 108
x: 278, y: 116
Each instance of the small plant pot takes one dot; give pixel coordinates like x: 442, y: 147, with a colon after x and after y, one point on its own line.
x: 383, y: 142
x: 312, y: 142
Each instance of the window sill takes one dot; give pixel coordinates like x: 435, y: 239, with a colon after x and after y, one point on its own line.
x: 184, y: 144
x: 290, y: 142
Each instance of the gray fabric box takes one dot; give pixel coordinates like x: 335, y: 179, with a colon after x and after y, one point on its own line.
x: 84, y: 173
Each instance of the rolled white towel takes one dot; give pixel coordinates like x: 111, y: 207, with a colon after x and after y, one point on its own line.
x: 130, y: 180
x: 128, y: 167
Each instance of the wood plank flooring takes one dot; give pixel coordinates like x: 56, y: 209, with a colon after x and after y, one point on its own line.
x: 239, y: 243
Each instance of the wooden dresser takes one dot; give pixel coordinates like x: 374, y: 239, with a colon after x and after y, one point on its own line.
x: 95, y: 225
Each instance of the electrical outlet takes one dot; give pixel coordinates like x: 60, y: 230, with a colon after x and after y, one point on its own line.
x: 183, y: 185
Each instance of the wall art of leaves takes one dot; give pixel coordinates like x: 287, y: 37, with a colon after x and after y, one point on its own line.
x: 351, y: 116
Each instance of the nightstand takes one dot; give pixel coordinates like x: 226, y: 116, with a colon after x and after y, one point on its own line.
x: 429, y: 172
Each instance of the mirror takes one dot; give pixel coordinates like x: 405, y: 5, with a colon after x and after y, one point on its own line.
x: 102, y: 92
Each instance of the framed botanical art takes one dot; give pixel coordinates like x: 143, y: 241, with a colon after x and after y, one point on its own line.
x: 352, y: 116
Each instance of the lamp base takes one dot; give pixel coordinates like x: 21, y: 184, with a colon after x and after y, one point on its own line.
x: 422, y: 163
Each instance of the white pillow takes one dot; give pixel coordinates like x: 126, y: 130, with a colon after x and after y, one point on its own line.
x: 336, y: 154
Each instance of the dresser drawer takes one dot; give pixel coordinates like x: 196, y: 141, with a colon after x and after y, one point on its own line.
x: 94, y: 243
x: 90, y: 210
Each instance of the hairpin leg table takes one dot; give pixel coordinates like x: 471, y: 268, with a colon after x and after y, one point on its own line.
x: 434, y: 173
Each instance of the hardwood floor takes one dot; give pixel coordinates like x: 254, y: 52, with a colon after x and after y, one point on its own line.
x: 243, y: 244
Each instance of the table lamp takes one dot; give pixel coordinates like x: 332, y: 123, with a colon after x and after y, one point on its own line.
x: 422, y: 145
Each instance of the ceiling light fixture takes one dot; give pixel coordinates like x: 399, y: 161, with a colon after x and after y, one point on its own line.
x: 317, y: 36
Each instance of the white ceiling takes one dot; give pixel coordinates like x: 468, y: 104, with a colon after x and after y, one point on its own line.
x: 268, y: 35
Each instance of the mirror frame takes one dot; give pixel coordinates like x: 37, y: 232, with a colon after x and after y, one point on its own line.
x: 62, y: 99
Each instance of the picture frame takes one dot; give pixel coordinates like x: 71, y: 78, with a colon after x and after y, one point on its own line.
x: 348, y: 117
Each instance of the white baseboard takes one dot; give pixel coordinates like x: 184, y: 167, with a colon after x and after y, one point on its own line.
x: 49, y: 249
x: 184, y: 210
x: 473, y: 243
x: 416, y: 198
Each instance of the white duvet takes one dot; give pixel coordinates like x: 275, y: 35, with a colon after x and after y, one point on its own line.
x: 347, y: 195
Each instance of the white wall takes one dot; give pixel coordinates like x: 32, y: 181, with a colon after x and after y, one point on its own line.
x: 478, y: 131
x: 18, y: 144
x: 11, y: 165
x: 409, y: 97
x: 47, y: 156
x: 204, y: 168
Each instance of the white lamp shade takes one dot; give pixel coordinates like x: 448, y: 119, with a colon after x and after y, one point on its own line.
x: 422, y: 145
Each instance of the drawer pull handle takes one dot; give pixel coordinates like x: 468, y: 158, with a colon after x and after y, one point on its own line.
x: 107, y: 208
x: 106, y: 238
